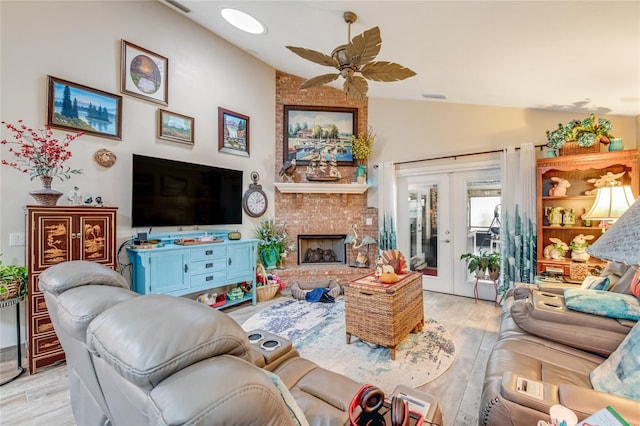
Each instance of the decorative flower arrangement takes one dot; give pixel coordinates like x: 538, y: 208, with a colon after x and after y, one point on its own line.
x: 362, y: 145
x: 273, y: 236
x: 586, y: 132
x: 38, y: 152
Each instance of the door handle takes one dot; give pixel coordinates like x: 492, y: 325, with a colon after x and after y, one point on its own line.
x: 446, y: 241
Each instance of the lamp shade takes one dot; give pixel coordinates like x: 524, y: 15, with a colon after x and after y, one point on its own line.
x: 621, y: 243
x: 611, y: 202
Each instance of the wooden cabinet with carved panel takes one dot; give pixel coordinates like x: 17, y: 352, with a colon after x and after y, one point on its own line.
x: 578, y: 170
x: 58, y: 234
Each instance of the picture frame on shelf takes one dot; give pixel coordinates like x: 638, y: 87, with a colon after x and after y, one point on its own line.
x: 144, y: 74
x: 175, y: 127
x: 309, y: 130
x: 75, y: 107
x: 233, y: 132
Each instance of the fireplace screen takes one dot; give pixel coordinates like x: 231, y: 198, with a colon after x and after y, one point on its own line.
x: 322, y: 249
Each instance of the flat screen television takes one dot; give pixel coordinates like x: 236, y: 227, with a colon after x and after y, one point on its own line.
x: 174, y: 193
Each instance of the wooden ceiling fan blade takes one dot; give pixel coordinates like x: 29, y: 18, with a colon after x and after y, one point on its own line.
x: 365, y: 47
x: 319, y: 80
x: 313, y: 56
x: 355, y: 87
x: 386, y: 71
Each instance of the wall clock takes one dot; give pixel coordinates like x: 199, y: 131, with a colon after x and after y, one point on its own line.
x: 255, y: 200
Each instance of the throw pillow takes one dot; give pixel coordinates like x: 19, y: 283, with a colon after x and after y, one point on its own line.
x: 635, y: 285
x: 620, y: 373
x: 294, y: 409
x: 624, y: 283
x: 596, y: 283
x: 603, y: 303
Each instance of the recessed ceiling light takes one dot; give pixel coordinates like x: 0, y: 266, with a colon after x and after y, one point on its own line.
x: 242, y: 21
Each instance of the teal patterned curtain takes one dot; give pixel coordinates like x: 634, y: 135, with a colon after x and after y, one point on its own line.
x: 518, y: 233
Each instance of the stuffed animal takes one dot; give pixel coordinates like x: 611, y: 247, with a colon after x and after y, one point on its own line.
x: 559, y: 188
x: 556, y: 250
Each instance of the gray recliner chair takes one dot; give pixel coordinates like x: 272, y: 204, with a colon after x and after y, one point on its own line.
x: 158, y: 359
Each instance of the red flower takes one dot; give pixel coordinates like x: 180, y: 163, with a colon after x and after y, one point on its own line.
x: 38, y: 152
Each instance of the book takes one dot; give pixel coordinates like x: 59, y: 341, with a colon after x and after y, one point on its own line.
x: 605, y: 417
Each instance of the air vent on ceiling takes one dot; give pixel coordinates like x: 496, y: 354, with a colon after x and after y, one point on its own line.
x: 178, y: 5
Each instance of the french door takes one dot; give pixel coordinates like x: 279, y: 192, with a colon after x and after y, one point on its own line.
x: 445, y: 211
x: 426, y: 234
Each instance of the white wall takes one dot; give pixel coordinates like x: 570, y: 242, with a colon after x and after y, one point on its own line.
x: 80, y: 42
x: 413, y: 130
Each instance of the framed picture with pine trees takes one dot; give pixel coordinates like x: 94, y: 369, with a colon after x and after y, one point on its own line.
x: 72, y: 106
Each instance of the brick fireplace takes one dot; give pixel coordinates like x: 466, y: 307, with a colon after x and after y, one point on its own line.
x: 318, y: 213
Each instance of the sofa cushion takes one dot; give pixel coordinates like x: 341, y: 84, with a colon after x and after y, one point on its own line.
x: 620, y: 373
x: 598, y: 302
x: 592, y: 282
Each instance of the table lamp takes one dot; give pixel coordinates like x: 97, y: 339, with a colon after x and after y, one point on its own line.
x: 611, y: 202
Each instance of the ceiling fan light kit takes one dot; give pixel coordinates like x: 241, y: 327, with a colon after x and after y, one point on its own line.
x: 357, y: 56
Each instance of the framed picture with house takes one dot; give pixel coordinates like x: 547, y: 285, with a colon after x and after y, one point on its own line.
x: 233, y: 132
x: 317, y: 133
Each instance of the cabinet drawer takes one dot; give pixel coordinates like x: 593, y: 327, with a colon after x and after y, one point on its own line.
x: 39, y: 305
x: 211, y: 265
x: 209, y: 280
x: 208, y: 251
x: 41, y: 325
x: 46, y: 344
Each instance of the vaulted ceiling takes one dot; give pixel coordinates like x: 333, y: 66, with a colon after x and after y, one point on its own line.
x: 581, y: 56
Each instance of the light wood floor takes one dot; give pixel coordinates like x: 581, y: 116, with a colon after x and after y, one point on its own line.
x: 43, y: 398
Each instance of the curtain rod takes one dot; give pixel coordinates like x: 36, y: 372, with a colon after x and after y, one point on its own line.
x: 461, y: 155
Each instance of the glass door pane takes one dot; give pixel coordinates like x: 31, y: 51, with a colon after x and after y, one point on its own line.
x: 423, y: 224
x: 483, y: 217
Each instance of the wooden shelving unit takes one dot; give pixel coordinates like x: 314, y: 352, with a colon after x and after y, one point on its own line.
x: 577, y: 169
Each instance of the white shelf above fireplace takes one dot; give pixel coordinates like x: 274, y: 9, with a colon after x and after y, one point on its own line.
x: 321, y: 188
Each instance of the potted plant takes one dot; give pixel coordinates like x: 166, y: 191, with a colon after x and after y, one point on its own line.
x: 494, y: 265
x: 362, y: 147
x: 476, y: 263
x: 585, y: 132
x: 272, y: 242
x: 13, y: 281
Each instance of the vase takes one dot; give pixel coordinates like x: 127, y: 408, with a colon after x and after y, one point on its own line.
x: 46, y: 196
x: 616, y: 144
x: 361, y: 174
x: 269, y: 257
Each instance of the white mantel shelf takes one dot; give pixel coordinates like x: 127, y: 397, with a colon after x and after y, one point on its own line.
x: 321, y: 188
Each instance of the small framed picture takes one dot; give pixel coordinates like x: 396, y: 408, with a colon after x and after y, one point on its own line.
x: 72, y: 106
x: 144, y: 74
x: 175, y: 127
x: 233, y: 132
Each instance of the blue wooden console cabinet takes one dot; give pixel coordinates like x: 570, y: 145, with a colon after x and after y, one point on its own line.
x: 183, y: 269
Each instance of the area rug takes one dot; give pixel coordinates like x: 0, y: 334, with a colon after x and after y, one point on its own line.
x: 318, y: 331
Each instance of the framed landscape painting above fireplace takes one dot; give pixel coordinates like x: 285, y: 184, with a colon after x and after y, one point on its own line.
x: 314, y: 133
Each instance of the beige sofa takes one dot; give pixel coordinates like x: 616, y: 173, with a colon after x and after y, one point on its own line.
x: 541, y: 341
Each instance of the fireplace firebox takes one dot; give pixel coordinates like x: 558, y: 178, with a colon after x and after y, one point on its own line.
x: 324, y: 248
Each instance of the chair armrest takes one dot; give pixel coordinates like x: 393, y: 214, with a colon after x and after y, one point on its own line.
x: 584, y: 402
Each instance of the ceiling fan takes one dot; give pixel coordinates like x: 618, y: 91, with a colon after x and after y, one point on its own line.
x: 357, y: 56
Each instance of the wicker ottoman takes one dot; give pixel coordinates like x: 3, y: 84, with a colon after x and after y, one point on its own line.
x: 299, y: 289
x: 384, y: 314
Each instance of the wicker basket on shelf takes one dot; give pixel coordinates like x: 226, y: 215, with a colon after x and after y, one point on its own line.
x: 12, y: 287
x: 268, y: 290
x: 572, y: 148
